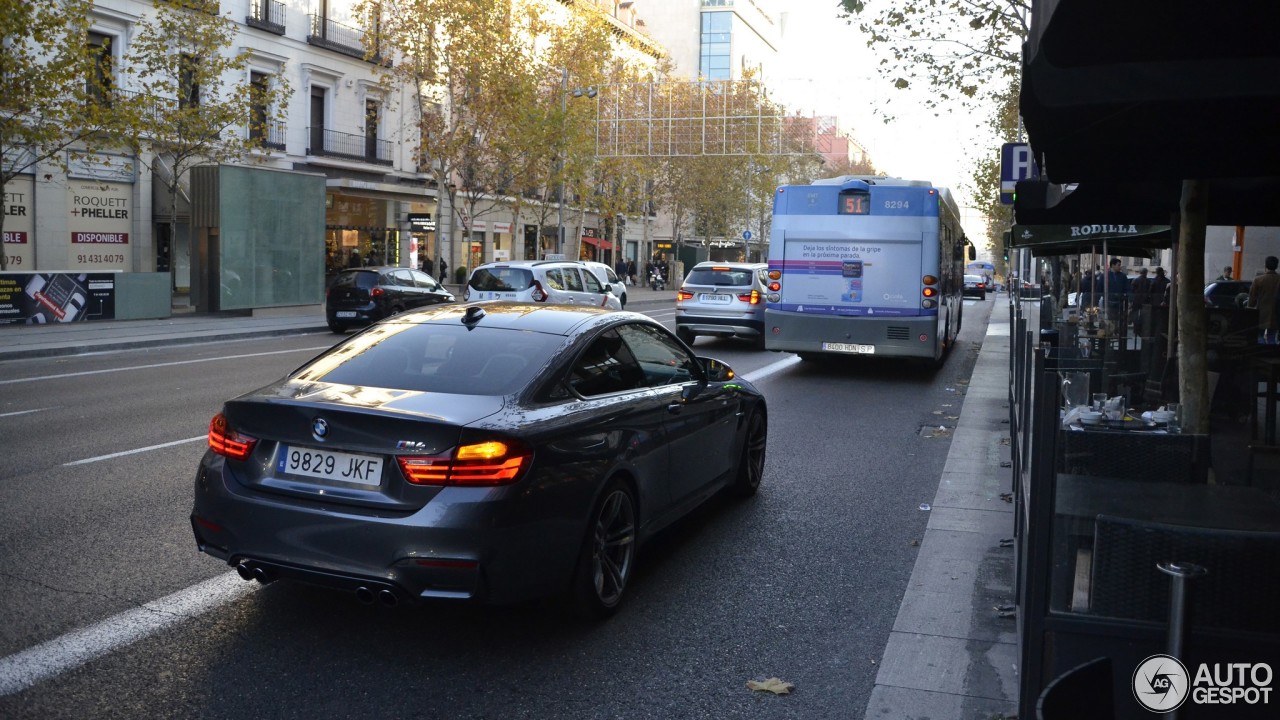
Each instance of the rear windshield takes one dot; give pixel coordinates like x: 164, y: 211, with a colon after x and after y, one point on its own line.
x: 436, y: 358
x: 721, y: 277
x: 356, y: 278
x: 972, y: 278
x: 502, y: 279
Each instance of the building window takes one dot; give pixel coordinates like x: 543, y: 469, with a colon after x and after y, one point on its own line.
x: 188, y: 81
x: 372, y: 113
x: 100, y: 85
x: 317, y: 121
x: 716, y: 41
x: 262, y: 129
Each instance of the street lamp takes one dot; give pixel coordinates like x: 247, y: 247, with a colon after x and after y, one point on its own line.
x: 564, y: 110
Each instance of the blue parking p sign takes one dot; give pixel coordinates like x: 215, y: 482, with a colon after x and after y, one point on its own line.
x: 1016, y: 164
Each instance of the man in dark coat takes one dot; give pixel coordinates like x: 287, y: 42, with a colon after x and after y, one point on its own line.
x: 1139, y: 291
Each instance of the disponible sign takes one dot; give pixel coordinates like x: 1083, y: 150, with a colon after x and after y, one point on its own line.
x: 19, y: 222
x: 100, y: 223
x: 40, y: 298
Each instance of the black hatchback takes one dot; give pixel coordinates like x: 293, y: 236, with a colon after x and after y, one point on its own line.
x: 360, y: 296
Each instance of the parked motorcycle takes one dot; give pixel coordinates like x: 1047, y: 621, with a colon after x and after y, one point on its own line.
x: 656, y: 281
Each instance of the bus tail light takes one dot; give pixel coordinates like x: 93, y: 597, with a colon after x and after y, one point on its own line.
x: 930, y: 280
x: 752, y: 297
x: 683, y: 295
x: 775, y: 286
x: 928, y: 304
x: 929, y: 292
x: 775, y: 274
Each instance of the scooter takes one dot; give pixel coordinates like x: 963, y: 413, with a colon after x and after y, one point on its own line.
x: 656, y: 281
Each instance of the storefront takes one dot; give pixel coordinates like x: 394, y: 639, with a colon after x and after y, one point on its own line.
x: 359, y: 231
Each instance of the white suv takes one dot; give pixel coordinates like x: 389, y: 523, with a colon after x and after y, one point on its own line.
x: 558, y: 282
x: 609, y: 279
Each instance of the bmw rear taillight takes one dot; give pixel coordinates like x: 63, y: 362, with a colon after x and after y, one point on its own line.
x: 752, y: 297
x: 225, y: 441
x: 377, y: 292
x: 539, y: 295
x: 684, y: 295
x: 492, y: 462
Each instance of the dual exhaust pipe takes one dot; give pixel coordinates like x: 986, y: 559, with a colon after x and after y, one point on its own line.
x: 365, y: 595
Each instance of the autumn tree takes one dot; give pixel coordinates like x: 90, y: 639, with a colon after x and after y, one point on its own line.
x: 196, y: 102
x: 56, y: 90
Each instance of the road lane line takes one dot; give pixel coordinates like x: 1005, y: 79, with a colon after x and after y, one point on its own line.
x: 24, y: 412
x: 86, y: 461
x: 24, y: 669
x: 772, y: 368
x: 163, y: 364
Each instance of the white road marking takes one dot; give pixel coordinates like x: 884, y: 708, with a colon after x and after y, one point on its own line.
x: 24, y: 412
x: 86, y: 461
x: 163, y: 364
x: 775, y: 367
x: 26, y: 668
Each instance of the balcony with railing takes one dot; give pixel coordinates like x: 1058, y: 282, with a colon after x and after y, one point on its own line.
x: 331, y: 143
x: 327, y: 33
x: 269, y: 135
x: 266, y: 15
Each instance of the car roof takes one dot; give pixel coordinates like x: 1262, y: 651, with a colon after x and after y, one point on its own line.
x: 527, y: 263
x: 735, y: 265
x: 537, y: 317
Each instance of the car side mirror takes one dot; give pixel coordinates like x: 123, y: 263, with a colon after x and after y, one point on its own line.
x: 716, y: 371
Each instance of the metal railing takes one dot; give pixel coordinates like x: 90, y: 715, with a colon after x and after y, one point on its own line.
x: 266, y: 15
x: 331, y: 143
x: 269, y: 135
x: 335, y: 36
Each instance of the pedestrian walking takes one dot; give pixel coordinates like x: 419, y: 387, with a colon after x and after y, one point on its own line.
x: 631, y: 271
x: 1264, y: 294
x: 1139, y: 292
x: 444, y: 270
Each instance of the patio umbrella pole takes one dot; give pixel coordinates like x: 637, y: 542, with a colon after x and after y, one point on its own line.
x: 1180, y: 572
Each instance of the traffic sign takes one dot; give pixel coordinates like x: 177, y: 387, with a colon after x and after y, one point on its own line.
x: 1016, y: 163
x: 746, y: 234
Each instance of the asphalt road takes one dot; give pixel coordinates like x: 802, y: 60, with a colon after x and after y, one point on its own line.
x: 802, y: 582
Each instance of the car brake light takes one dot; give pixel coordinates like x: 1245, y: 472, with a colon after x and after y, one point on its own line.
x: 477, y: 464
x: 684, y: 295
x: 539, y: 295
x: 376, y: 292
x: 225, y: 441
x: 752, y: 297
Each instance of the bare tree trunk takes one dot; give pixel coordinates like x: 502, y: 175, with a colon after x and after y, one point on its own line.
x: 1193, y: 377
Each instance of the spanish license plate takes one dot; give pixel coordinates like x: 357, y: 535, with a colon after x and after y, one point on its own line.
x: 345, y: 313
x: 342, y: 467
x: 849, y: 348
x: 715, y: 298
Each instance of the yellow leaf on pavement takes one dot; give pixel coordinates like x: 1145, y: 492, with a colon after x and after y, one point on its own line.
x: 773, y: 685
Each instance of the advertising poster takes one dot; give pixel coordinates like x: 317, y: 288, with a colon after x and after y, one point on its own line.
x: 19, y: 223
x: 39, y: 298
x: 99, y: 224
x: 852, y: 278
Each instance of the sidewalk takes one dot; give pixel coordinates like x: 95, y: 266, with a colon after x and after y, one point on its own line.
x: 32, y: 341
x: 950, y: 654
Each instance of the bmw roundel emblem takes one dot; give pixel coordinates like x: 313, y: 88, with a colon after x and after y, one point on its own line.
x: 320, y: 427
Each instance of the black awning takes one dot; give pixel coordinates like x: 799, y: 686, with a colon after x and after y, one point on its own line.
x: 1118, y: 239
x: 1247, y: 201
x: 1152, y: 89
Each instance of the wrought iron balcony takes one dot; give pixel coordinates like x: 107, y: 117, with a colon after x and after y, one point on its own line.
x: 331, y: 143
x: 266, y: 15
x: 335, y: 36
x: 269, y: 135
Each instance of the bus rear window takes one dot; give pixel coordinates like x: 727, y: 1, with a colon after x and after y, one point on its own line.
x: 855, y: 203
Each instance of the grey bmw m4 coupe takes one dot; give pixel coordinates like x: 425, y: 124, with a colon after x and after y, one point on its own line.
x: 494, y: 452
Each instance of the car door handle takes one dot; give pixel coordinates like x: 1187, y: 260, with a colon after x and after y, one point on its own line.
x: 675, y: 408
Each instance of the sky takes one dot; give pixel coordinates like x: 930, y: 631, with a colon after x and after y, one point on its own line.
x: 827, y: 69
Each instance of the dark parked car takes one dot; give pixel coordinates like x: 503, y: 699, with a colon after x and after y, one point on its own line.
x: 1227, y: 293
x: 359, y: 296
x: 975, y: 286
x: 494, y: 451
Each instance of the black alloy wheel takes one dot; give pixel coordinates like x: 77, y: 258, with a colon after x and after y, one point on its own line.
x: 336, y: 327
x: 751, y: 462
x: 608, y: 554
